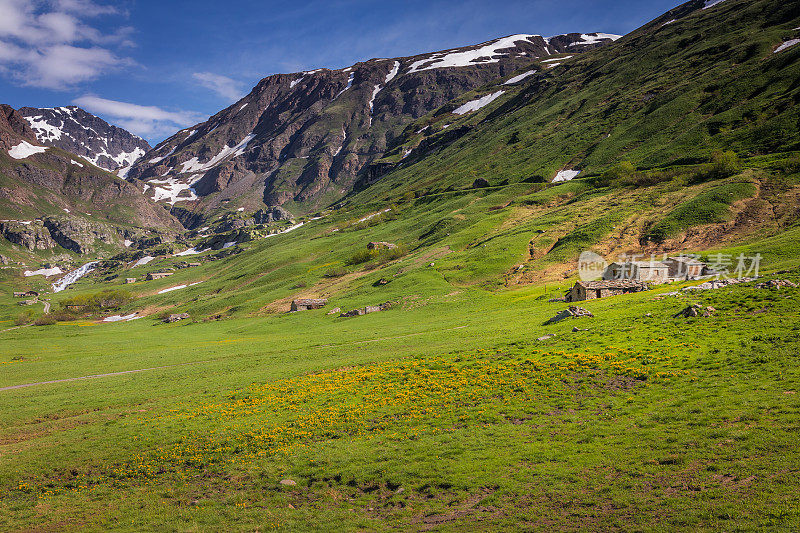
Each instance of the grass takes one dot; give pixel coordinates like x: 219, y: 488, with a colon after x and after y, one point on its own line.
x: 709, y: 207
x: 352, y: 416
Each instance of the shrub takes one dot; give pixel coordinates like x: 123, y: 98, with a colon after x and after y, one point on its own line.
x: 725, y: 164
x: 335, y: 272
x: 45, y: 320
x: 24, y: 318
x: 377, y: 257
x: 103, y: 300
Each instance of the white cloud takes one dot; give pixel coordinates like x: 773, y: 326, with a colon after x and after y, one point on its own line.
x: 222, y: 85
x: 145, y: 121
x: 48, y: 44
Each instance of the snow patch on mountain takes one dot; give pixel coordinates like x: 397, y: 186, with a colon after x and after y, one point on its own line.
x: 711, y: 3
x: 566, y: 175
x: 392, y: 73
x: 517, y: 79
x: 170, y: 189
x: 557, y: 59
x: 787, y: 44
x: 194, y: 164
x: 594, y: 38
x: 295, y: 82
x: 484, y: 53
x: 349, y: 84
x: 43, y: 130
x: 474, y: 105
x: 25, y: 149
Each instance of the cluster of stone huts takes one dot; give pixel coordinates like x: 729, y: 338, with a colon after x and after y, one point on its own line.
x: 634, y: 276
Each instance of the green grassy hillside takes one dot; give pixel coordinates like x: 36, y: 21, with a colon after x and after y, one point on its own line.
x: 457, y: 408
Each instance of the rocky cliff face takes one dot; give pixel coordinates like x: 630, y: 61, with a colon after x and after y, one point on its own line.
x: 300, y: 140
x: 74, y: 130
x: 58, y: 198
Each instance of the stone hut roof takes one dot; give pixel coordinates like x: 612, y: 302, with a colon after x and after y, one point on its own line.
x: 612, y: 284
x: 686, y: 259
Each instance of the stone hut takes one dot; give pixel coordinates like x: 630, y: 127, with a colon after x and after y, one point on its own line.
x: 158, y: 275
x: 589, y: 290
x: 26, y: 294
x: 130, y: 280
x: 684, y: 267
x: 305, y: 304
x: 648, y: 271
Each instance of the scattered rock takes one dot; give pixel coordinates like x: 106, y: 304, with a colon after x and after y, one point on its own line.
x: 335, y: 310
x: 555, y: 300
x: 4, y: 260
x: 695, y: 310
x: 176, y: 317
x: 571, y: 312
x: 480, y: 183
x: 575, y: 329
x: 776, y: 284
x: 305, y: 304
x: 381, y: 282
x: 717, y: 284
x: 432, y: 264
x: 130, y: 280
x: 288, y: 482
x: 366, y: 310
x: 381, y: 246
x: 545, y: 337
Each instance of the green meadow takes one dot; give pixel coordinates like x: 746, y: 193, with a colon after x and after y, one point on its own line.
x: 447, y: 415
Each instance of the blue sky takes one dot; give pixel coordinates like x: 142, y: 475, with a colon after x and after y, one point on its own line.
x: 154, y: 67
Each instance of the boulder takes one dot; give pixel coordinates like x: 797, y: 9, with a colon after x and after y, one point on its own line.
x: 695, y: 310
x: 335, y: 310
x: 354, y: 312
x: 288, y: 482
x: 570, y: 312
x: 480, y: 183
x: 776, y: 284
x: 176, y: 317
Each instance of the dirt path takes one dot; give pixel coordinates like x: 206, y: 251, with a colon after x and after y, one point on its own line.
x: 94, y: 376
x: 46, y: 306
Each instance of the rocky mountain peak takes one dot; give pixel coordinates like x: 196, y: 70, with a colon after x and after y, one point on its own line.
x: 82, y: 133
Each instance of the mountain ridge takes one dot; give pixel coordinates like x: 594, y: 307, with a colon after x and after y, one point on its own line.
x: 300, y: 140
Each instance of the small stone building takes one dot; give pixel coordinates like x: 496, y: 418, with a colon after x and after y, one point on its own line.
x: 589, y: 290
x: 647, y: 271
x: 684, y: 267
x: 158, y: 275
x: 130, y: 280
x: 305, y: 304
